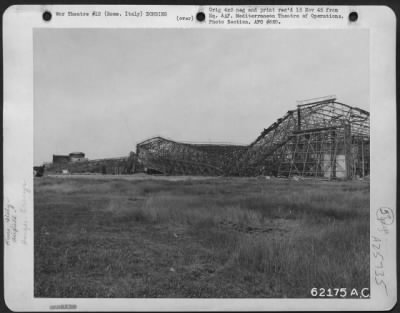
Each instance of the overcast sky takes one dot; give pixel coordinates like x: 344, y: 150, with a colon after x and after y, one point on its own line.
x: 101, y: 91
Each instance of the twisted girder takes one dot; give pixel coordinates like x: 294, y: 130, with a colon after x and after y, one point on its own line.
x: 264, y: 154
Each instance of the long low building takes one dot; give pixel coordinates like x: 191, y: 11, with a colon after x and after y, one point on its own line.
x: 115, y: 166
x: 320, y: 138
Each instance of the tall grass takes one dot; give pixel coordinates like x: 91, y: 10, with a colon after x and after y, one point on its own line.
x: 336, y: 256
x: 239, y: 237
x: 253, y: 209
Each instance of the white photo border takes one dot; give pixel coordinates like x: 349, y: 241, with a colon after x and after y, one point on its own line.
x: 18, y: 24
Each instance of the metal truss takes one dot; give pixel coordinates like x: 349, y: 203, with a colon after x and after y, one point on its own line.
x: 321, y: 138
x: 174, y: 158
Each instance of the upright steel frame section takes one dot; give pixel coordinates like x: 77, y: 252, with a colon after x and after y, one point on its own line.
x: 321, y: 138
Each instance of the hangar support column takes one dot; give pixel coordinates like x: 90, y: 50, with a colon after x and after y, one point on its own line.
x: 348, y: 151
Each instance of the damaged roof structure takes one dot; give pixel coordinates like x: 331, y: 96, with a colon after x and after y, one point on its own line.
x: 160, y: 155
x: 320, y: 138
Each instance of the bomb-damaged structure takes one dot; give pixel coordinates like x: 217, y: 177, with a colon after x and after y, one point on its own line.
x: 321, y: 138
x: 164, y: 156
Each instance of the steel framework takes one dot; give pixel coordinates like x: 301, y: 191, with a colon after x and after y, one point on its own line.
x: 160, y: 155
x: 321, y: 138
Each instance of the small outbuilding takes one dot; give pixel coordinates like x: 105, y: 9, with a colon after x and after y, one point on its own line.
x: 57, y: 159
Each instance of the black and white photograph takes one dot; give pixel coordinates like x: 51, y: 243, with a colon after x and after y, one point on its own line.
x: 179, y: 163
x: 214, y: 163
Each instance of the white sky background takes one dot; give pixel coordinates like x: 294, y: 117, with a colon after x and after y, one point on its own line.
x: 101, y: 91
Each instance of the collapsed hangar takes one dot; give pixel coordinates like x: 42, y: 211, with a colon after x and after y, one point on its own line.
x: 320, y: 138
x: 164, y: 156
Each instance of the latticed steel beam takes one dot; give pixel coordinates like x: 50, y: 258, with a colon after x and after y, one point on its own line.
x: 321, y: 138
x: 166, y: 156
x: 275, y: 144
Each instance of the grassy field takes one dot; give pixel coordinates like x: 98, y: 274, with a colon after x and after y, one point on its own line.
x: 212, y: 237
